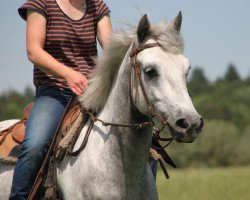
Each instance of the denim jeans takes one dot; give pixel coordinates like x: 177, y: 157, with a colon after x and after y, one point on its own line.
x: 45, y: 116
x: 153, y: 165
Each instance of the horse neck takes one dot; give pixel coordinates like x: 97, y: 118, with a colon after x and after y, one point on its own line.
x: 133, y: 144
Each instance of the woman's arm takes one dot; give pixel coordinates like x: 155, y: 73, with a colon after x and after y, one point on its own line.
x: 35, y: 39
x: 104, y: 30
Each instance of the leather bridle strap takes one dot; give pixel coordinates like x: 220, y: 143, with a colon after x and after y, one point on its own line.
x: 135, y: 50
x: 134, y: 66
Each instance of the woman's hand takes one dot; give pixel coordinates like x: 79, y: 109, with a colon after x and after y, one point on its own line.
x: 76, y: 82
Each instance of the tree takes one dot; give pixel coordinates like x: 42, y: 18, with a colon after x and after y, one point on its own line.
x: 198, y: 83
x: 232, y: 74
x: 13, y: 102
x: 247, y: 80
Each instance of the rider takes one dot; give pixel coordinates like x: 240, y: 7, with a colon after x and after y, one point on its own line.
x: 61, y: 43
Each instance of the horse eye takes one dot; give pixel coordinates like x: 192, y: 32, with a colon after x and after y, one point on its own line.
x: 151, y: 72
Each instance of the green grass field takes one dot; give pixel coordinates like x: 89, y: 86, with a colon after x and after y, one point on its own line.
x: 205, y: 184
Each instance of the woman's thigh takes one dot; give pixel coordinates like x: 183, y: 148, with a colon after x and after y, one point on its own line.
x: 44, y: 118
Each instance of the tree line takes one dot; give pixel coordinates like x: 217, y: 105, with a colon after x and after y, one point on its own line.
x: 13, y: 102
x: 223, y: 103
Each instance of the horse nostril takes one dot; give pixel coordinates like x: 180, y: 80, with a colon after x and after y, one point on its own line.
x: 182, y: 123
x: 201, y: 124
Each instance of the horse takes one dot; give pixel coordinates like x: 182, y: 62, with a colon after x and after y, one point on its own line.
x: 140, y: 83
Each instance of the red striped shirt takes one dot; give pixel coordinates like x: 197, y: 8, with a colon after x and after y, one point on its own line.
x: 71, y: 42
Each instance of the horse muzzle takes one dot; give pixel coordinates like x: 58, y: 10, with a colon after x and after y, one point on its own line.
x: 186, y: 130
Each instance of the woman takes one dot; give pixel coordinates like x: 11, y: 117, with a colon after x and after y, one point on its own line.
x: 61, y: 43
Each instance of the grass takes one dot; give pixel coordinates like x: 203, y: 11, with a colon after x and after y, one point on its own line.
x: 205, y: 184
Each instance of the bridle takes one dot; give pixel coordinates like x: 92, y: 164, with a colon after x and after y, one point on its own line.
x: 136, y: 72
x: 135, y: 67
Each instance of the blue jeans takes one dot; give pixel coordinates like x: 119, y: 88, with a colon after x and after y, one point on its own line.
x: 47, y: 111
x: 153, y: 165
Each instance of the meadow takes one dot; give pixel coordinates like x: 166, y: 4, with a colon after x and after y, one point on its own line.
x: 231, y: 183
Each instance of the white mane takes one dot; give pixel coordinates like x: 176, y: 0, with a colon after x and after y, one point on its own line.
x: 108, y: 64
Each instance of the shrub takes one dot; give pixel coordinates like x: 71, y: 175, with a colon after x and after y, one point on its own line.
x: 217, y: 145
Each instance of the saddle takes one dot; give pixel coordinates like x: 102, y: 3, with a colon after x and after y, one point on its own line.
x: 12, y: 137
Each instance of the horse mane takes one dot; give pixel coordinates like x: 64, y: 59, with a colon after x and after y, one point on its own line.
x: 108, y: 64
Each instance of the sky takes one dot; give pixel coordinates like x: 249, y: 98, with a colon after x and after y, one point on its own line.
x: 216, y: 33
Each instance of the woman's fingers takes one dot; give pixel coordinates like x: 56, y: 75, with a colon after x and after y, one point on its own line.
x: 77, y: 82
x: 80, y: 88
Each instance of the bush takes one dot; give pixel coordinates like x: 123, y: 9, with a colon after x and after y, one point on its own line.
x: 220, y: 144
x: 242, y: 148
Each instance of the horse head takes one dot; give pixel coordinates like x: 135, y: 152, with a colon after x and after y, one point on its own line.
x: 163, y: 73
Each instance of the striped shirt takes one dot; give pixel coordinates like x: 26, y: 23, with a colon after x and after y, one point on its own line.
x: 71, y: 42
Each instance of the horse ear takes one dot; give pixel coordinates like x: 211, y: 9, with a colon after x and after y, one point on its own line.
x: 144, y: 29
x: 176, y: 24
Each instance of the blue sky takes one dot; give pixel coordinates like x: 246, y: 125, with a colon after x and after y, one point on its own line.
x: 216, y: 33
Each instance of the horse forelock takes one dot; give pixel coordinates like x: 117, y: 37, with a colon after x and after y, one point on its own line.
x: 108, y: 64
x: 168, y: 38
